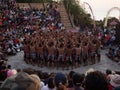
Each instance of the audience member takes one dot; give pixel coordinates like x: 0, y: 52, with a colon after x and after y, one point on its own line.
x: 21, y: 81
x: 61, y: 81
x: 78, y: 81
x: 96, y: 81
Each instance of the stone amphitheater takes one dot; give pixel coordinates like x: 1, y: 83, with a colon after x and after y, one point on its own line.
x: 17, y: 61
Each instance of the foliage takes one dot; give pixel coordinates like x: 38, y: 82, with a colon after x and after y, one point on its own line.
x: 33, y: 1
x: 110, y: 19
x: 118, y: 33
x: 99, y: 23
x: 80, y: 16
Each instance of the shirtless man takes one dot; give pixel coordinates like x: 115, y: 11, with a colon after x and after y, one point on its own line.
x: 93, y: 50
x: 98, y: 47
x: 51, y: 53
x: 69, y: 50
x: 78, y: 50
x: 33, y: 53
x: 85, y: 45
x: 39, y: 50
x: 61, y: 50
x: 26, y: 52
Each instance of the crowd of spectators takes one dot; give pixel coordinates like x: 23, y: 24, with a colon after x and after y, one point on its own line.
x: 107, y: 37
x: 108, y: 41
x: 114, y: 54
x: 15, y: 22
x: 29, y: 79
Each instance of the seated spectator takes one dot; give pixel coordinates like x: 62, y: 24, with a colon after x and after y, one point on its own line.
x: 61, y: 81
x: 114, y: 54
x: 114, y: 81
x: 21, y: 81
x: 96, y: 81
x: 117, y: 88
x: 11, y: 72
x: 70, y: 79
x: 117, y: 58
x: 89, y: 71
x: 50, y: 85
x: 3, y: 73
x: 78, y: 81
x: 108, y: 73
x: 110, y: 53
x: 9, y: 67
x: 117, y: 72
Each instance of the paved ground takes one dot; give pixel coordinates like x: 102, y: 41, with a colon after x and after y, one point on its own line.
x: 18, y: 63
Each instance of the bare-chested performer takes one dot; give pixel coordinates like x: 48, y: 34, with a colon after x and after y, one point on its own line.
x: 95, y: 50
x: 85, y: 45
x: 69, y: 50
x: 26, y: 52
x: 98, y: 47
x: 40, y: 53
x: 33, y: 53
x: 92, y: 50
x: 78, y: 50
x: 51, y: 53
x: 61, y: 57
x: 27, y: 48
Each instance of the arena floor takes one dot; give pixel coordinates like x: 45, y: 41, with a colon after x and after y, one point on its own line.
x: 17, y: 62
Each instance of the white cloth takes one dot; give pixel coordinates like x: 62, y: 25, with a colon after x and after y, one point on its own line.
x: 47, y: 88
x: 42, y: 84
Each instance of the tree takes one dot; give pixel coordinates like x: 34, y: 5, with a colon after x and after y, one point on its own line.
x: 80, y: 16
x: 118, y: 33
x: 33, y: 1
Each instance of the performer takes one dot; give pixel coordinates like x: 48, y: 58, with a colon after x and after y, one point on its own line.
x: 78, y: 50
x: 85, y: 45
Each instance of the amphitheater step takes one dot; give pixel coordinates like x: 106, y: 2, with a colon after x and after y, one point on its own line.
x: 64, y: 17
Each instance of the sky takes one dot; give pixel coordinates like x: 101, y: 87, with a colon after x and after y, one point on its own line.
x: 101, y: 7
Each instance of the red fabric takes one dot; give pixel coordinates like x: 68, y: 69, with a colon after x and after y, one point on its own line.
x: 111, y: 87
x: 1, y: 21
x: 107, y: 37
x: 16, y: 41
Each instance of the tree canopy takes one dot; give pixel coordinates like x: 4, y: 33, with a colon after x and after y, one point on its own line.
x: 33, y: 1
x: 80, y: 16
